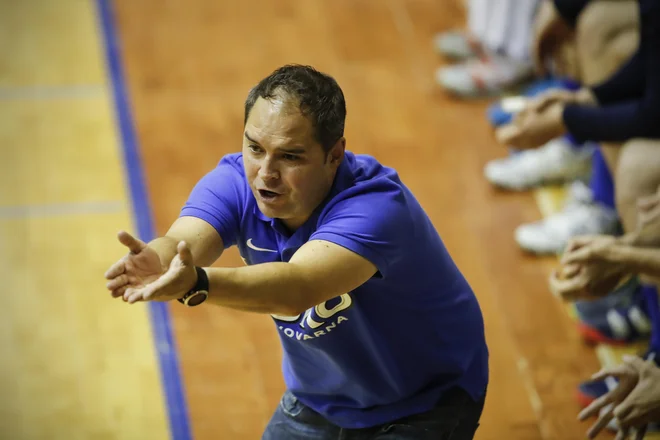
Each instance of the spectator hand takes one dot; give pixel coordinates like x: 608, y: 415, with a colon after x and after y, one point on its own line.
x: 634, y: 403
x: 604, y: 407
x: 539, y: 103
x: 642, y: 405
x: 531, y: 129
x: 585, y: 272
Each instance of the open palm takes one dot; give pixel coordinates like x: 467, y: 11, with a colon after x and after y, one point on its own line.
x: 138, y: 268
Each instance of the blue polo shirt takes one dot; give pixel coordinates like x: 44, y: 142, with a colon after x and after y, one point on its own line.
x: 389, y: 348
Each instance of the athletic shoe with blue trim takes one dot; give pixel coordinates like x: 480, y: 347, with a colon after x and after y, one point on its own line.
x: 620, y: 318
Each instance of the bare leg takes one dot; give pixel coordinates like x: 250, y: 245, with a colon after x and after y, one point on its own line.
x: 637, y: 175
x: 607, y: 35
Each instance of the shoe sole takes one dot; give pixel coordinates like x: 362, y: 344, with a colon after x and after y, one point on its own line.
x: 593, y: 337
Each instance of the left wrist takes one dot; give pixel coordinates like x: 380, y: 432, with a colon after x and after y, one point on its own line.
x: 199, y: 291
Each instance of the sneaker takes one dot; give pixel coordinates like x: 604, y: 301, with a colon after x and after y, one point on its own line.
x: 620, y: 318
x: 558, y: 161
x: 457, y: 45
x: 580, y: 216
x: 488, y: 75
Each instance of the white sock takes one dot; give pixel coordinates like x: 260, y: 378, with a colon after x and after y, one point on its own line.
x: 478, y: 18
x: 518, y: 43
x: 504, y: 26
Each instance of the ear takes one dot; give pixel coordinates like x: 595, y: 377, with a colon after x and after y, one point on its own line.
x: 336, y: 153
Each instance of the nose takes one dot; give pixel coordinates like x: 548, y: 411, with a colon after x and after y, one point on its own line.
x: 268, y: 170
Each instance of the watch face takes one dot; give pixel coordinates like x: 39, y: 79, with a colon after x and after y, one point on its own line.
x: 197, y: 298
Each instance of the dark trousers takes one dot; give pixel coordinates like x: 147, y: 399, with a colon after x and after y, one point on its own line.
x: 455, y: 417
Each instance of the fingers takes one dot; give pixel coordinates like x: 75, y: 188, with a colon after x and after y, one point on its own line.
x: 569, y: 289
x: 624, y: 410
x: 119, y: 292
x: 622, y: 434
x: 546, y: 101
x: 132, y: 295
x: 152, y: 290
x: 601, y: 423
x: 581, y: 255
x: 132, y: 243
x: 641, y: 432
x: 595, y: 407
x: 508, y: 134
x: 576, y: 243
x: 115, y: 270
x: 570, y: 270
x: 618, y: 371
x: 184, y: 253
x: 117, y: 282
x: 637, y: 362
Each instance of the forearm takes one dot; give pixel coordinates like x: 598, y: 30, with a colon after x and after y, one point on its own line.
x: 638, y: 260
x: 273, y: 288
x: 645, y: 238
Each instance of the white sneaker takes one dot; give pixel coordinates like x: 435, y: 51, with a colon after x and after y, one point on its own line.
x: 488, y: 75
x: 580, y: 216
x: 556, y: 161
x: 457, y: 44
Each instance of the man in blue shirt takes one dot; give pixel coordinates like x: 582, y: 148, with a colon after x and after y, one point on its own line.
x: 382, y: 335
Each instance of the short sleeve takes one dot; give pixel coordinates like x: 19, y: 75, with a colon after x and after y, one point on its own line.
x: 219, y: 199
x: 371, y: 222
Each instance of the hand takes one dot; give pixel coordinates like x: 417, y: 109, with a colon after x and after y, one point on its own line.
x: 539, y: 103
x: 138, y: 268
x: 550, y: 30
x: 604, y: 407
x: 642, y: 405
x: 530, y: 129
x: 588, y: 249
x: 587, y: 282
x: 634, y: 403
x: 173, y: 284
x: 585, y: 272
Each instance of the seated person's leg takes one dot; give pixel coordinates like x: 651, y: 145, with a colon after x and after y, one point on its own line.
x: 462, y: 44
x: 607, y: 35
x: 505, y: 61
x: 638, y: 175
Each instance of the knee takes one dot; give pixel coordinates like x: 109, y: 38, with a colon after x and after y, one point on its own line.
x: 603, y: 22
x: 637, y: 175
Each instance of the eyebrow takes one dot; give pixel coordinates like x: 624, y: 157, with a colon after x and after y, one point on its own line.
x: 297, y: 150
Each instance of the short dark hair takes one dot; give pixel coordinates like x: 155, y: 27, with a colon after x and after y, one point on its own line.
x: 318, y: 96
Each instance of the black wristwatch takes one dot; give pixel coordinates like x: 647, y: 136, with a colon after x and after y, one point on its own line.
x: 199, y: 292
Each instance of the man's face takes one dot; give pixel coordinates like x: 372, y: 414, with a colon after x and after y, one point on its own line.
x: 288, y: 171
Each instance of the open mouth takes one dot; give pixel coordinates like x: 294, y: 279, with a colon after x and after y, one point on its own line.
x: 268, y: 195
